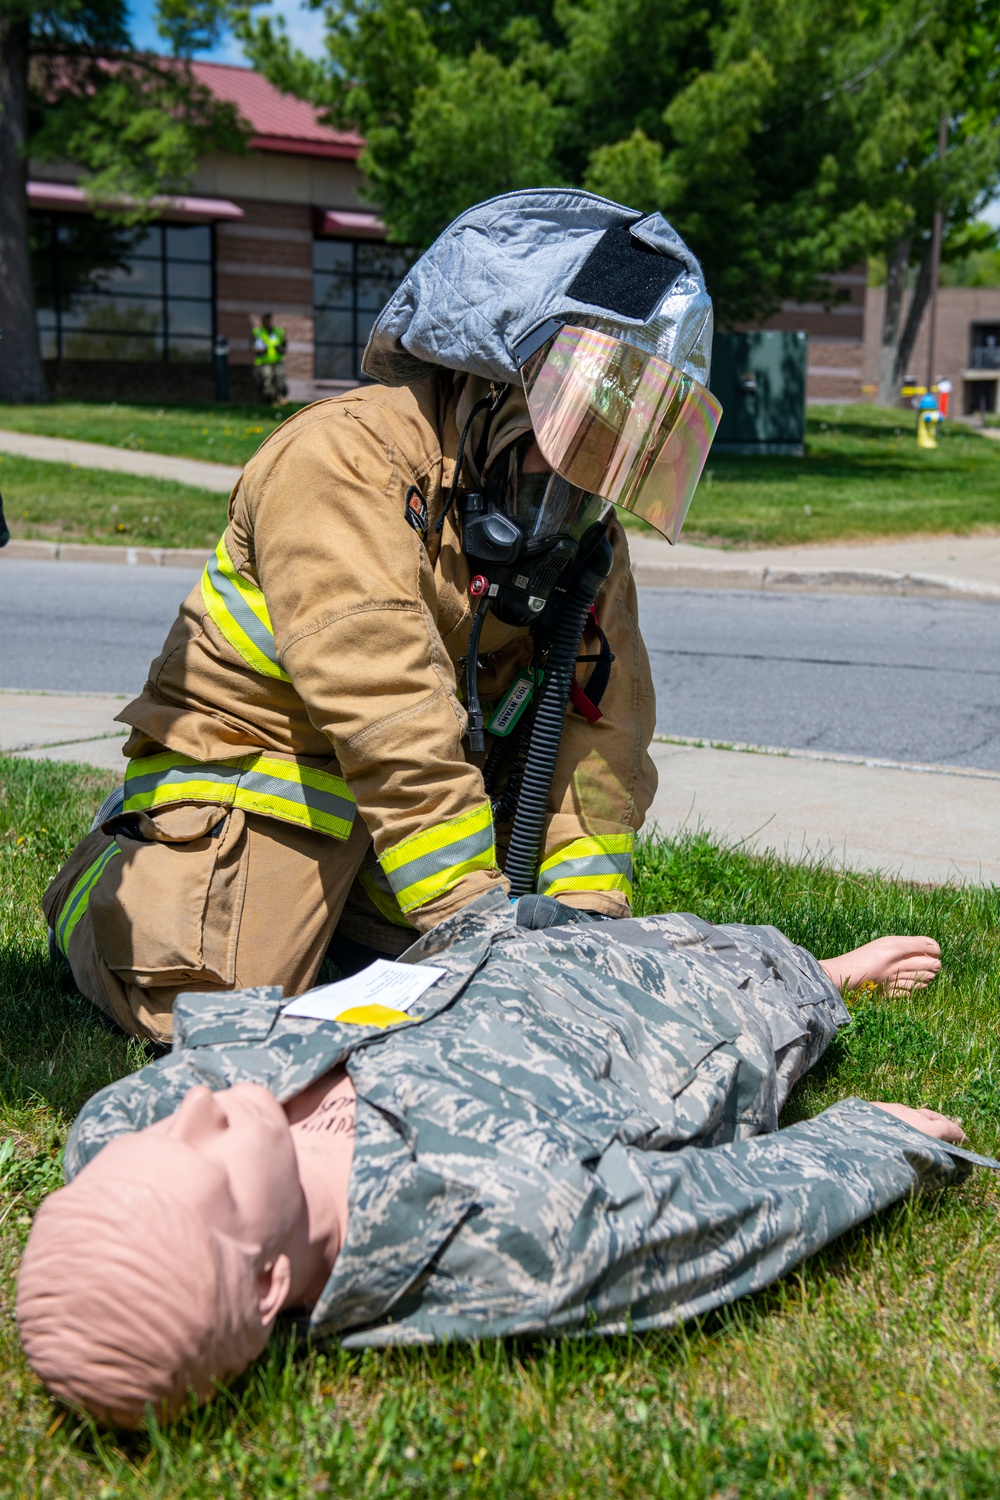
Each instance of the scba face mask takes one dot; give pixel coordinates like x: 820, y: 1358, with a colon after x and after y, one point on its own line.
x: 525, y: 529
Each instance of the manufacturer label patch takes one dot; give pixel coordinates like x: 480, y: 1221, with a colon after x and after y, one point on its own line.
x: 416, y: 512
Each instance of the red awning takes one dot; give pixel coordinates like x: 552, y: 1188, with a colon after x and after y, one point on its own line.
x: 65, y: 195
x: 348, y: 221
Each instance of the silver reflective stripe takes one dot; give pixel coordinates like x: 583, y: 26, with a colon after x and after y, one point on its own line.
x: 227, y: 776
x: 252, y: 781
x: 440, y: 861
x: 591, y: 864
x: 294, y: 791
x: 241, y: 612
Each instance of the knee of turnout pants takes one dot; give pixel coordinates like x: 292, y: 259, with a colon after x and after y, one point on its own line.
x: 206, y: 899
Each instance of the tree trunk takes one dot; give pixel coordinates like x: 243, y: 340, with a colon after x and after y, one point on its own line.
x: 22, y: 376
x: 914, y: 317
x: 897, y: 263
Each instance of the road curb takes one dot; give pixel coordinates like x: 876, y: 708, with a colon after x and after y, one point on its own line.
x: 687, y: 575
x: 134, y: 557
x: 648, y: 575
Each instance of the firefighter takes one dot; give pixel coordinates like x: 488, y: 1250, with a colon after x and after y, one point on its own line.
x: 269, y: 345
x: 412, y: 670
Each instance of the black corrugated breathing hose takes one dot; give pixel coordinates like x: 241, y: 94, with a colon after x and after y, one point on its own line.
x: 546, y: 734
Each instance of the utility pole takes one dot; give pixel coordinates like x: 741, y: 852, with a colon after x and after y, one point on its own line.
x: 936, y: 257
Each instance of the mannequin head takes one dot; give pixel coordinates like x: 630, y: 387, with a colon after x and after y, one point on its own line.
x: 161, y: 1268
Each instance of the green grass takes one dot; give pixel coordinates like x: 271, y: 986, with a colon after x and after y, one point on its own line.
x: 223, y: 434
x: 875, y: 1371
x: 59, y: 503
x: 859, y: 480
x: 862, y: 477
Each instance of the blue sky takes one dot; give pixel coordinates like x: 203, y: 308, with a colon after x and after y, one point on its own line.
x: 305, y: 27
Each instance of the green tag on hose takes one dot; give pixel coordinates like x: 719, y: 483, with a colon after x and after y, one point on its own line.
x: 509, y: 710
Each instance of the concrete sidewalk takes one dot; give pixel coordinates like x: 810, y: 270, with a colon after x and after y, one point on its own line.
x: 934, y: 824
x: 929, y: 567
x: 63, y: 726
x: 193, y: 471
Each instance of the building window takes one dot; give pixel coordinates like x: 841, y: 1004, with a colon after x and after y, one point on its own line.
x: 352, y: 282
x: 985, y: 351
x: 106, y: 292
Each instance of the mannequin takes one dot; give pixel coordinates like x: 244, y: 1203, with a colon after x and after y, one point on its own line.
x: 162, y: 1267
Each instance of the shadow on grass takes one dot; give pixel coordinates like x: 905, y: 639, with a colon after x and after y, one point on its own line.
x: 55, y: 1048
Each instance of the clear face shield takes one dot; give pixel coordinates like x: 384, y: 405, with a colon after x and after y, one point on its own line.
x: 618, y: 422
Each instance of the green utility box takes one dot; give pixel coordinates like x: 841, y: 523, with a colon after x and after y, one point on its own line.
x: 760, y: 378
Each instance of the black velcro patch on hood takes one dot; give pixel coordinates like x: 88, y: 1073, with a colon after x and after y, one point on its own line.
x: 624, y: 275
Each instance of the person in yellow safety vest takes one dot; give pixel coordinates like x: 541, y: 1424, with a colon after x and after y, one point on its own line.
x: 413, y: 661
x: 269, y: 360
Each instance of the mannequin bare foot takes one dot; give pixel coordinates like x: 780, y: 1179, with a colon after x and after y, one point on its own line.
x: 927, y: 1120
x: 901, y: 964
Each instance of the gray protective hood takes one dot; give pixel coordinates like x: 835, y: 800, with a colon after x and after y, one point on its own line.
x: 508, y: 265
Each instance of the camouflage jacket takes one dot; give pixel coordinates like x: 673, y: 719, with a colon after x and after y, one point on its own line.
x: 579, y: 1131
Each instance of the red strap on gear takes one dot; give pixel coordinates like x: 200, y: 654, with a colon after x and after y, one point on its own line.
x: 583, y: 705
x: 577, y: 696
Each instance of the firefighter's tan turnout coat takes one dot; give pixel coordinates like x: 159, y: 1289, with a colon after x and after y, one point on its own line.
x: 297, y: 759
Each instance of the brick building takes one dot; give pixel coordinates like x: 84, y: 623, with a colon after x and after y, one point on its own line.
x: 835, y: 357
x: 280, y: 229
x: 966, y: 345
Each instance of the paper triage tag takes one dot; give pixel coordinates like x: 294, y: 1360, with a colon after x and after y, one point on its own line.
x: 391, y: 986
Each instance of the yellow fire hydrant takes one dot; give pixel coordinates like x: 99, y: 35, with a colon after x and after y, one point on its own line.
x: 929, y: 418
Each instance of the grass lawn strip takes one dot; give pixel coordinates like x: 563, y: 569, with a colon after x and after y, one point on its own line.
x: 872, y: 1372
x: 862, y: 477
x: 223, y: 435
x: 61, y: 503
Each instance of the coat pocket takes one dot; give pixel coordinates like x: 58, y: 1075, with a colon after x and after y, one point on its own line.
x: 168, y: 911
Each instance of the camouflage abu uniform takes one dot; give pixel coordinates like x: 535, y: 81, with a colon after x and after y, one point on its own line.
x: 576, y: 1132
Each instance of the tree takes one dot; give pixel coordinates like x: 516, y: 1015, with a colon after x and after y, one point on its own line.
x: 810, y: 142
x: 71, y: 86
x: 784, y: 141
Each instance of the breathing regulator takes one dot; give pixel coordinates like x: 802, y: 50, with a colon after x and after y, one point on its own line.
x: 539, y: 553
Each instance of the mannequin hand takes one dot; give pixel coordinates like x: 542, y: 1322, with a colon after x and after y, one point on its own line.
x: 927, y: 1120
x: 901, y: 964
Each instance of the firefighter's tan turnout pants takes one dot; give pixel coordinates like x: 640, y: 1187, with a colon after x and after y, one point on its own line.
x: 206, y: 898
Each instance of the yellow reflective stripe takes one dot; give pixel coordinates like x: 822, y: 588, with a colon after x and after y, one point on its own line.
x: 428, y: 864
x: 608, y: 882
x: 598, y: 863
x: 374, y: 1015
x: 293, y: 793
x: 239, y: 610
x: 79, y: 898
x: 376, y: 887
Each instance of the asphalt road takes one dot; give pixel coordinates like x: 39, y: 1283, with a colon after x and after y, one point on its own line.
x: 908, y: 679
x: 84, y: 627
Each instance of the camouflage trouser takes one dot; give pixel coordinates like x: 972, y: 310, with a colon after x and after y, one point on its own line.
x: 271, y: 382
x: 772, y: 980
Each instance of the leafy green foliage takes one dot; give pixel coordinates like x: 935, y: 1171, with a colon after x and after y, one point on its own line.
x: 784, y: 141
